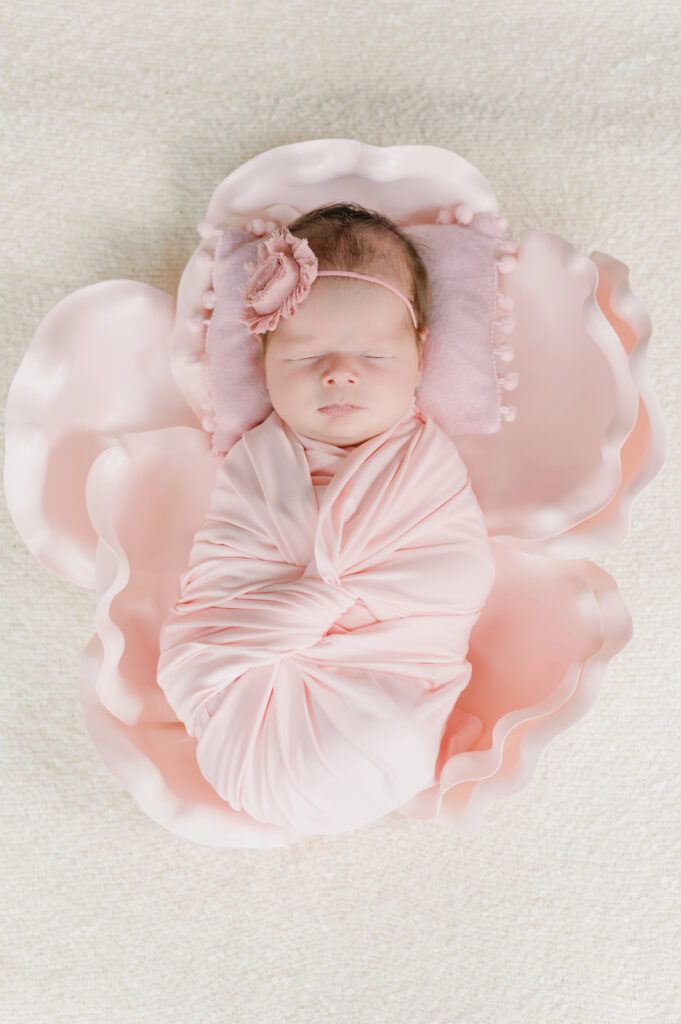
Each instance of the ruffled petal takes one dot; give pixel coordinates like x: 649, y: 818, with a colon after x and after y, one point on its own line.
x: 539, y: 652
x: 397, y: 180
x: 544, y: 478
x: 147, y: 496
x: 643, y: 453
x: 97, y: 367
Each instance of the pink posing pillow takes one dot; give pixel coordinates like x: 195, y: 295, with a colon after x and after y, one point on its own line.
x: 460, y: 386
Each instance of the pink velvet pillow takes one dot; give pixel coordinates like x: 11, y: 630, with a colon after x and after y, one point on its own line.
x: 459, y: 387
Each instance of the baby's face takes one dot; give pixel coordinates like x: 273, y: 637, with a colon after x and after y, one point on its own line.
x: 350, y: 341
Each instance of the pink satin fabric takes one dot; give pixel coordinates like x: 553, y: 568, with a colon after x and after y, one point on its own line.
x: 319, y: 642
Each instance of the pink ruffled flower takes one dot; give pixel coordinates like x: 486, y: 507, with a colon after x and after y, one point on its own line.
x: 278, y: 282
x: 109, y: 477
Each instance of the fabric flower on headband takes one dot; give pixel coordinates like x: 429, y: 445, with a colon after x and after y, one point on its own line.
x: 278, y: 282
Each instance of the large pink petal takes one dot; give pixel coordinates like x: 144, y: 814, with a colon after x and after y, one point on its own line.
x: 405, y: 182
x: 98, y: 366
x: 146, y: 497
x: 539, y: 653
x: 643, y: 452
x: 588, y: 435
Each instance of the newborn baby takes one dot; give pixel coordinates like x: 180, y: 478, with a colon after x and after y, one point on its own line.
x: 319, y: 642
x: 350, y: 342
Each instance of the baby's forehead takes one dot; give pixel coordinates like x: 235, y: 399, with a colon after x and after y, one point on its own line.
x: 373, y: 291
x: 375, y: 317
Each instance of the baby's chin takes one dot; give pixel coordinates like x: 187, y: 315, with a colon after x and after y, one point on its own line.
x: 345, y: 431
x: 340, y: 435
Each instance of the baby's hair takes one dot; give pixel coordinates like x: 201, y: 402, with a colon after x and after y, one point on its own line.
x: 347, y: 236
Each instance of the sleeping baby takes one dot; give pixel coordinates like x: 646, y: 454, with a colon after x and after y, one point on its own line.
x: 318, y: 645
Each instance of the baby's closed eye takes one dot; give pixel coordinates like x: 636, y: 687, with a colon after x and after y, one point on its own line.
x: 303, y: 359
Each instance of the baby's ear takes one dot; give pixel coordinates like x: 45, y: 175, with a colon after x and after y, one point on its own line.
x: 423, y: 335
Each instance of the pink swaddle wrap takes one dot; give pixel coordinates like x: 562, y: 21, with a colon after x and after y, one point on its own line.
x: 319, y: 641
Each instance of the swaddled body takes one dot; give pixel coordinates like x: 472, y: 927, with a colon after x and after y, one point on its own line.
x: 319, y: 643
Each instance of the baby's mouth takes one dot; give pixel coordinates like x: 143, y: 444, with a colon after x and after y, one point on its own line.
x: 339, y: 409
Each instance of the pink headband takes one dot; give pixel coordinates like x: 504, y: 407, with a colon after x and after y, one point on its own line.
x: 282, y: 277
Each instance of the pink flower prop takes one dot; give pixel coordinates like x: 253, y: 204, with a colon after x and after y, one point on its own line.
x: 278, y: 282
x: 110, y: 470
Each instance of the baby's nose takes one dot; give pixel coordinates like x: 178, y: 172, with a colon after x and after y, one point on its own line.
x: 339, y: 368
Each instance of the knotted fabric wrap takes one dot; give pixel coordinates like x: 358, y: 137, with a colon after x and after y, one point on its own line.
x: 317, y: 652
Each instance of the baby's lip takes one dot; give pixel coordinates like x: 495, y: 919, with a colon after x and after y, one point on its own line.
x: 338, y: 406
x: 340, y: 401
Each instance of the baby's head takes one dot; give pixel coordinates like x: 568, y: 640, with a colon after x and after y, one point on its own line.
x: 350, y: 340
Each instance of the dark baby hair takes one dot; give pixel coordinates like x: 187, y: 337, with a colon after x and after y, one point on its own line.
x: 347, y: 236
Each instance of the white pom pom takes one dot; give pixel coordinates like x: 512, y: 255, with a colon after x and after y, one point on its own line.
x: 209, y: 299
x: 505, y: 353
x: 508, y: 413
x: 205, y: 257
x: 502, y: 223
x: 505, y: 324
x: 504, y: 301
x: 208, y: 423
x: 510, y: 247
x: 464, y: 213
x: 506, y: 264
x: 510, y: 381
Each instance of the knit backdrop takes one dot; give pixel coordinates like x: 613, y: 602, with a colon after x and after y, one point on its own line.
x: 118, y: 121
